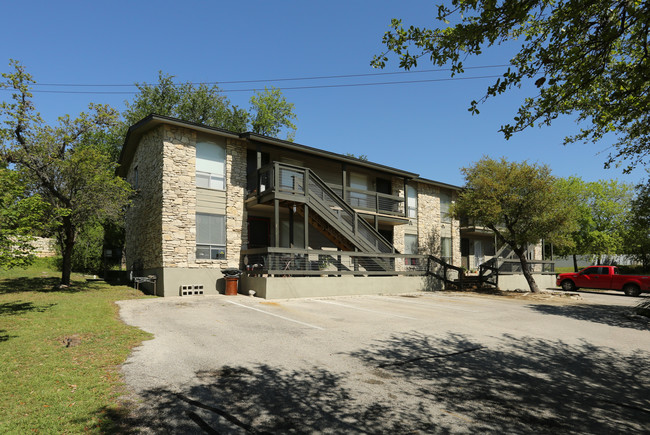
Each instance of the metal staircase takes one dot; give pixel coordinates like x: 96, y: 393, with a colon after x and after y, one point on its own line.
x: 327, y: 211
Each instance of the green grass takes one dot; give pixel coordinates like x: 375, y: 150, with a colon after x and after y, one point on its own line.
x: 46, y: 386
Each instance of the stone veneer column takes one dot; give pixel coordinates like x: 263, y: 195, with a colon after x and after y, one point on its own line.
x: 455, y: 234
x: 179, y: 197
x: 236, y: 221
x: 428, y: 220
x: 143, y: 231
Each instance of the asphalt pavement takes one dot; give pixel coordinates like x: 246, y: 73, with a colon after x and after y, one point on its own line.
x: 418, y: 363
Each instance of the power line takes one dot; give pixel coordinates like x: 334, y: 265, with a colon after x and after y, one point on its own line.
x: 284, y: 88
x: 278, y: 79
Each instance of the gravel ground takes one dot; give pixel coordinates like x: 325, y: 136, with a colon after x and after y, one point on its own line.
x: 418, y: 363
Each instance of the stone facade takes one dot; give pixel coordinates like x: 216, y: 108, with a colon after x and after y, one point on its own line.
x: 44, y: 247
x: 161, y: 222
x: 428, y: 219
x: 179, y: 197
x: 144, y: 230
x: 236, y: 221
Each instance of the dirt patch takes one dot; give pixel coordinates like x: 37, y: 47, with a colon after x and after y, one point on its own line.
x: 546, y: 296
x: 70, y: 341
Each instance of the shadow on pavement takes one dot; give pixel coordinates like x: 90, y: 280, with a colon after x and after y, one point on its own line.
x: 611, y: 315
x: 417, y: 383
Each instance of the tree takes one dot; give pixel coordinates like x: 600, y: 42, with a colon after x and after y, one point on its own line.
x: 601, y: 209
x: 74, y: 176
x: 637, y: 243
x: 21, y: 217
x: 202, y: 104
x: 586, y: 57
x: 269, y: 114
x: 520, y: 202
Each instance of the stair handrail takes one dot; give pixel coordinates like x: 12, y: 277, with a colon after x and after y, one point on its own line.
x: 445, y: 267
x: 310, y: 175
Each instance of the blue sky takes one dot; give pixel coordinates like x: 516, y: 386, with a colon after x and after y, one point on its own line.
x: 419, y: 127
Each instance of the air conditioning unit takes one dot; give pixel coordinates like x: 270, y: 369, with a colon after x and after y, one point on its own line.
x: 191, y: 290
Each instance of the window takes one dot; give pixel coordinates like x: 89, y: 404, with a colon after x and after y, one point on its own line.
x: 410, y: 247
x: 412, y: 201
x: 445, y: 249
x: 445, y: 202
x: 210, y: 236
x: 359, y: 196
x: 210, y: 165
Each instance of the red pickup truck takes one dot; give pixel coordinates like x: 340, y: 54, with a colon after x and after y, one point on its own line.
x: 604, y: 277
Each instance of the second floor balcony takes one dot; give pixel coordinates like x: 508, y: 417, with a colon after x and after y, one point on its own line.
x: 289, y: 181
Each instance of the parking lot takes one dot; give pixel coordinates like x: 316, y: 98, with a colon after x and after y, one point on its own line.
x: 417, y: 363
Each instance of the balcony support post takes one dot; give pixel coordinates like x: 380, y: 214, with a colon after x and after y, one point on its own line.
x: 276, y: 222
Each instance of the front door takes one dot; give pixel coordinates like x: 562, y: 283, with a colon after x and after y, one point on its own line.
x: 259, y: 233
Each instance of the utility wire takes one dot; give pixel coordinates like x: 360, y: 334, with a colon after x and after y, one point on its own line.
x: 285, y: 88
x: 279, y: 79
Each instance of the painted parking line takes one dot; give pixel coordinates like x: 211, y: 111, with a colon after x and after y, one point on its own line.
x: 363, y: 309
x: 277, y: 315
x: 429, y: 304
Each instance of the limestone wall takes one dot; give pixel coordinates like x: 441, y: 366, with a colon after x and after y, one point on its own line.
x: 143, y: 242
x: 44, y: 247
x: 428, y: 219
x: 179, y: 197
x: 236, y: 221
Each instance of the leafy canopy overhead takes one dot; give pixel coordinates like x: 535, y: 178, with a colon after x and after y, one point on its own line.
x: 586, y: 57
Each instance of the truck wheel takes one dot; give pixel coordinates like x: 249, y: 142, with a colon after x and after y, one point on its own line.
x: 631, y: 290
x: 568, y: 285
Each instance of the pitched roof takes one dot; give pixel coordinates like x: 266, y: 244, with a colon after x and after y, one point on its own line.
x: 137, y: 130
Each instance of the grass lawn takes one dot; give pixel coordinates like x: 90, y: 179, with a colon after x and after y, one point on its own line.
x: 60, y: 352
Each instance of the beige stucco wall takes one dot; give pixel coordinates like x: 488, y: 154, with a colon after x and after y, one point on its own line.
x: 303, y: 287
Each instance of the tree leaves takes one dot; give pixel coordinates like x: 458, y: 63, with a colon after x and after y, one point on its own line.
x: 593, y: 56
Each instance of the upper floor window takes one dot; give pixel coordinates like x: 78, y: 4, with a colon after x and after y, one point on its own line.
x: 445, y: 202
x: 210, y: 165
x: 412, y: 201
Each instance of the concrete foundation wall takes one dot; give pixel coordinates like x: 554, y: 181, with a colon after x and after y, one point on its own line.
x: 170, y: 280
x: 514, y: 282
x: 303, y: 287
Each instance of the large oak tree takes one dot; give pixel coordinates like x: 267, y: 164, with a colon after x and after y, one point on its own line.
x: 70, y: 171
x: 521, y: 202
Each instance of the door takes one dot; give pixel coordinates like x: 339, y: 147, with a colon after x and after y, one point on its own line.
x: 259, y: 234
x: 592, y: 277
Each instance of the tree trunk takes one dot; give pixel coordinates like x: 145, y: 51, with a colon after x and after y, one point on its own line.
x: 68, y: 245
x: 575, y: 263
x: 524, y: 268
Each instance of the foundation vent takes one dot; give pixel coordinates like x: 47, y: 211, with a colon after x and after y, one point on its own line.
x: 191, y: 290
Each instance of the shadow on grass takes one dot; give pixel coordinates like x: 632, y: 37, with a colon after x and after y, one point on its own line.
x: 611, y: 315
x: 49, y: 284
x: 17, y: 307
x: 4, y: 336
x: 415, y: 383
